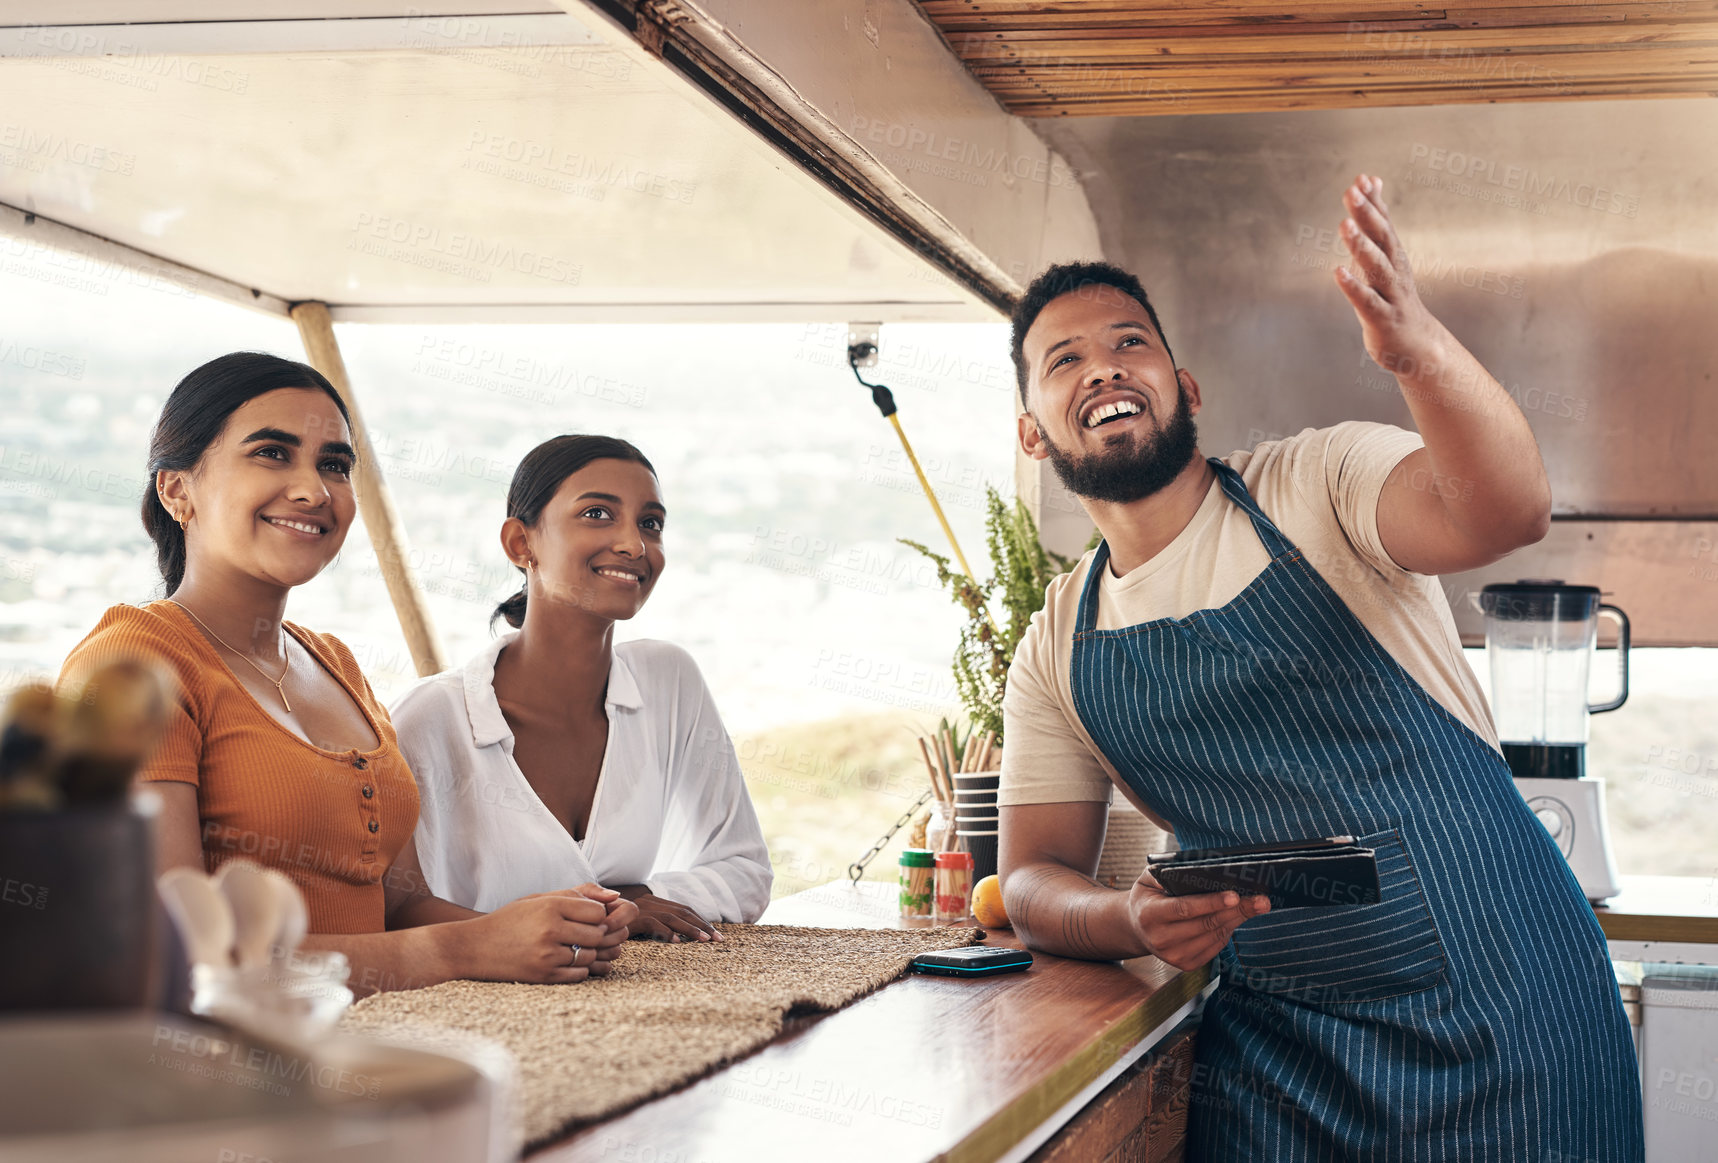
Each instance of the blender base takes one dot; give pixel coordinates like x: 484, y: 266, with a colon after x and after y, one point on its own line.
x: 1573, y: 812
x: 1546, y: 760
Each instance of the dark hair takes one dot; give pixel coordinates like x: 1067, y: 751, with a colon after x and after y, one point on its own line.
x: 191, y: 420
x: 1059, y: 280
x: 539, y: 475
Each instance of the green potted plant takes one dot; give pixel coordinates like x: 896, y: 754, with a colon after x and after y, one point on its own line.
x: 1022, y: 568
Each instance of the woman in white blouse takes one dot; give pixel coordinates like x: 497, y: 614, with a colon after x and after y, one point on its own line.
x: 557, y: 757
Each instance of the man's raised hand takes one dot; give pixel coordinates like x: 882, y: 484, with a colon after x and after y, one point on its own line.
x: 1398, y: 330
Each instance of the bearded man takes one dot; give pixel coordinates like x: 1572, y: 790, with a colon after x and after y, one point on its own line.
x: 1260, y: 652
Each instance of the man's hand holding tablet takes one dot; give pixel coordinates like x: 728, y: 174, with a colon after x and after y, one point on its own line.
x: 1188, y: 931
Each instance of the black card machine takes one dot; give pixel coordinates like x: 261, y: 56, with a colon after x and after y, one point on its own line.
x: 973, y: 961
x: 1297, y: 874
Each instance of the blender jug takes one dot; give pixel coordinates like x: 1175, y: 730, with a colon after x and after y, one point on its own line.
x: 1539, y: 639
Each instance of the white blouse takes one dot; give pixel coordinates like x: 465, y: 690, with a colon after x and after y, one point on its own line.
x: 670, y: 811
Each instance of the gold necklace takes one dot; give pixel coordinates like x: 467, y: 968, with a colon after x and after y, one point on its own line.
x: 278, y: 682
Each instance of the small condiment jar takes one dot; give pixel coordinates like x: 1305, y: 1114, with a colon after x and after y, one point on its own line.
x: 953, y: 887
x: 916, y: 873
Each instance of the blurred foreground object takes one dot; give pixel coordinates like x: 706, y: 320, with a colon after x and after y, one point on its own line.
x: 76, y: 911
x: 241, y: 929
x: 81, y: 748
x: 158, y: 1088
x: 110, y: 730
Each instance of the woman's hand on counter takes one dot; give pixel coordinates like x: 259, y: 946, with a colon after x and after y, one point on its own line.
x: 666, y: 920
x: 531, y: 939
x: 1188, y: 931
x: 622, y: 915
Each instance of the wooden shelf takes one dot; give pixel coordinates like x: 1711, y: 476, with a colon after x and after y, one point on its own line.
x: 1680, y: 909
x: 1144, y: 57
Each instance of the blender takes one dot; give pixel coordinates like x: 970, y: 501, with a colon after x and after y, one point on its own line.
x: 1539, y: 639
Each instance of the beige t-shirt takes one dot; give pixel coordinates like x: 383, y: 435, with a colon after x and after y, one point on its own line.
x: 1321, y: 489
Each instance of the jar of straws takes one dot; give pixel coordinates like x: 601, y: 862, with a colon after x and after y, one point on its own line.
x: 953, y: 887
x: 917, y: 883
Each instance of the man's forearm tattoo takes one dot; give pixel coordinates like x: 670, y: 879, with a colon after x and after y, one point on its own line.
x: 1057, y: 928
x: 1028, y: 888
x: 1077, y: 930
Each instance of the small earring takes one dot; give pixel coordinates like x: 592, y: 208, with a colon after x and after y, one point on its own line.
x: 183, y: 522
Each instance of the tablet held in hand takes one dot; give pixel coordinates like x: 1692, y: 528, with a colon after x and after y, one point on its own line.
x: 1320, y: 873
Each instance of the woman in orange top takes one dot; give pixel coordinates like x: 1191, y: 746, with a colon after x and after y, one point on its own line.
x: 277, y: 749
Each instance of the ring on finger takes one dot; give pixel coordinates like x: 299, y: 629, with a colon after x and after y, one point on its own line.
x: 577, y: 949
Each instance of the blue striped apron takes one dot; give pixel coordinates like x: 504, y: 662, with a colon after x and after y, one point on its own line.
x: 1473, y: 1013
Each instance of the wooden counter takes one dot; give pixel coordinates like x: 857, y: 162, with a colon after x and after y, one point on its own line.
x: 1663, y: 918
x: 926, y: 1068
x: 932, y: 1068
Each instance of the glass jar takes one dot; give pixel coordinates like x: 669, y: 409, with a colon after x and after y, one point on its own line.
x: 953, y: 887
x: 917, y: 870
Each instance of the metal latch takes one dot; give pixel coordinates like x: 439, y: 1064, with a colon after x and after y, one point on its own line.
x: 862, y: 341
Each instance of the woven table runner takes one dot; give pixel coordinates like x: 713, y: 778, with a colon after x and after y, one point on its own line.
x: 666, y: 1014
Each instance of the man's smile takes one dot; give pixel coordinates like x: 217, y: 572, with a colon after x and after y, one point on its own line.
x: 1112, y: 407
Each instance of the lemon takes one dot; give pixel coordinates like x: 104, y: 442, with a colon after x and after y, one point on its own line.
x: 987, y: 907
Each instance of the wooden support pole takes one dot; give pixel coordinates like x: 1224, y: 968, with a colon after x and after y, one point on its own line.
x: 381, y: 519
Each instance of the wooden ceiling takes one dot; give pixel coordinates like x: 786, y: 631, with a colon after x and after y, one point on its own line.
x: 1143, y: 57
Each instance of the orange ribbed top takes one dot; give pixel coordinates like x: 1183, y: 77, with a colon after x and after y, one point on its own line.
x: 333, y: 821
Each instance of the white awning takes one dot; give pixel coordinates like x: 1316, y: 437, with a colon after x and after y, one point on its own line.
x: 447, y: 163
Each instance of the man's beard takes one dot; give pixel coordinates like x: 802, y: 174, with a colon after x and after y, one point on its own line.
x: 1128, y: 473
